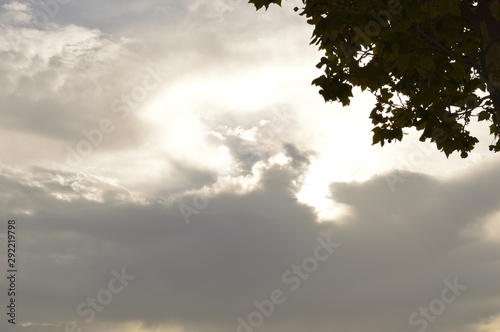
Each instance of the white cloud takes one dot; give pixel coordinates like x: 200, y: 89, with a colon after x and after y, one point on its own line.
x: 235, y: 131
x: 14, y: 13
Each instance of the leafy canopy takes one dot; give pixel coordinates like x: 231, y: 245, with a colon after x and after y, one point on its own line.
x: 432, y: 65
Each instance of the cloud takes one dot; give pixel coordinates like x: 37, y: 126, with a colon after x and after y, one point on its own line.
x: 65, y: 78
x: 220, y: 136
x: 60, y: 81
x: 396, y: 250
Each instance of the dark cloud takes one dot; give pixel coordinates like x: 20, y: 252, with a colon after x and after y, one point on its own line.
x: 396, y: 251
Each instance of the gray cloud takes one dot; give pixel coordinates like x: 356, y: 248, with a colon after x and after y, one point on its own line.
x: 396, y: 251
x: 76, y: 227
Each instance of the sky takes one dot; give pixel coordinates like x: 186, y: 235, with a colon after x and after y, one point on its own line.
x: 171, y: 168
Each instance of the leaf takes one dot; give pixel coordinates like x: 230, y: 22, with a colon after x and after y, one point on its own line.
x: 483, y: 115
x: 395, y: 49
x: 264, y: 3
x: 377, y: 136
x: 402, y: 62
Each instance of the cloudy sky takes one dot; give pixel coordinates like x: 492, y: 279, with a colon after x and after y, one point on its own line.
x: 171, y: 169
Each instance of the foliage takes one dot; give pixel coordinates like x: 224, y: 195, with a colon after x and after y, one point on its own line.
x: 432, y: 65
